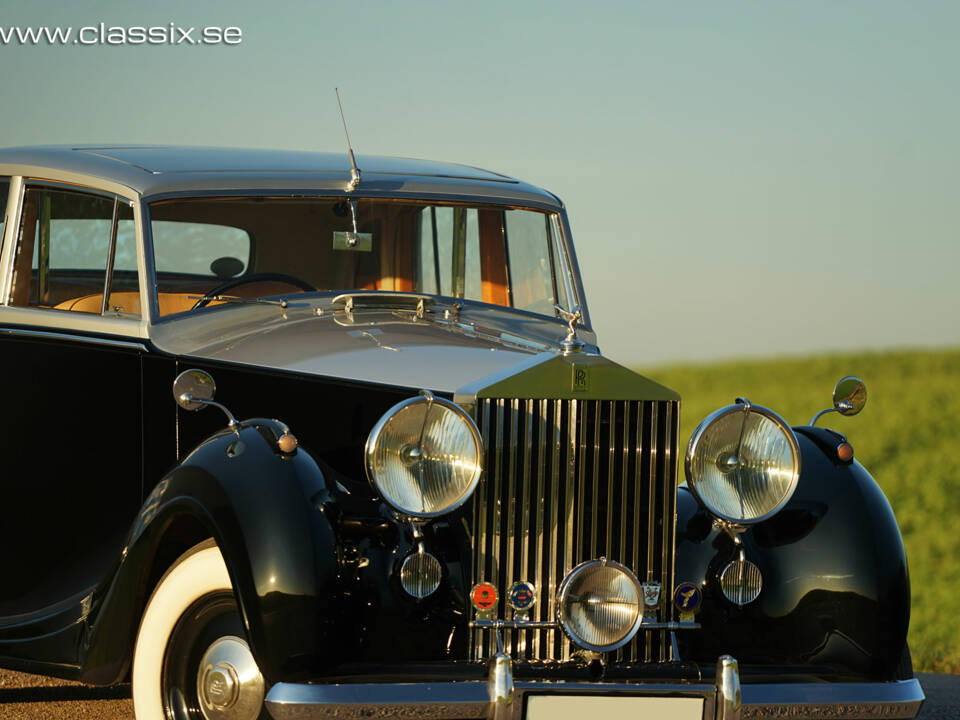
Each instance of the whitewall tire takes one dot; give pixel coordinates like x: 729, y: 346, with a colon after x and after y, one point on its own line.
x: 191, y: 660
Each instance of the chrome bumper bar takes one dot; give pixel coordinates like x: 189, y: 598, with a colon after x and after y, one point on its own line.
x: 500, y: 698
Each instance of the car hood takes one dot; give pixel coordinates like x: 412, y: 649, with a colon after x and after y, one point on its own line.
x: 382, y: 346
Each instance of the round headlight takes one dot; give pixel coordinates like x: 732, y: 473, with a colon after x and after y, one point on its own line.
x: 601, y: 605
x: 424, y: 457
x: 743, y: 462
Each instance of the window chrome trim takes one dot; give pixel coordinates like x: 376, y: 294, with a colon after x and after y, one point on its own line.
x: 573, y: 268
x: 14, y: 203
x: 68, y: 321
x: 335, y: 190
x: 9, y: 179
x: 111, y: 251
x: 49, y: 335
x: 64, y: 186
x: 66, y: 177
x: 149, y: 307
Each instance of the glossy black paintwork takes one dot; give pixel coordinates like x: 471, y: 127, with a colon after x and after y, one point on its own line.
x: 350, y: 599
x: 71, y: 485
x: 264, y: 510
x: 836, y: 595
x: 375, y: 619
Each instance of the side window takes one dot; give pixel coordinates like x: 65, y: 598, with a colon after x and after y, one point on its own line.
x: 68, y: 240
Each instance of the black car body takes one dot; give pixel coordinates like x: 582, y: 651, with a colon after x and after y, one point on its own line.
x: 329, y: 311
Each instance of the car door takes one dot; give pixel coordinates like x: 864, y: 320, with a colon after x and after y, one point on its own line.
x: 70, y: 428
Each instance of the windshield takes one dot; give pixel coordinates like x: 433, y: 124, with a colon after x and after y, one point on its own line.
x: 251, y: 247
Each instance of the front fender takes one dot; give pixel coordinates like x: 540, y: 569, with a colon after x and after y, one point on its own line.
x: 265, y: 512
x: 836, y: 594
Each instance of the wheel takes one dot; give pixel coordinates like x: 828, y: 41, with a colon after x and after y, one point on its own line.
x: 191, y: 661
x: 255, y: 278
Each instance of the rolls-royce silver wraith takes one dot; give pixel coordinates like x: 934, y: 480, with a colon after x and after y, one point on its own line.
x: 287, y: 437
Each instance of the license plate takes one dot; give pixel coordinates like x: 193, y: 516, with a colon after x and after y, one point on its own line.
x: 587, y: 707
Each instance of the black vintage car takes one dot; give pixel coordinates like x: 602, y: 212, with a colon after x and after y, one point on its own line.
x: 287, y: 440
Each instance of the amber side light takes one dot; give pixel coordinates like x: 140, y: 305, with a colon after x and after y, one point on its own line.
x: 287, y: 443
x: 845, y: 452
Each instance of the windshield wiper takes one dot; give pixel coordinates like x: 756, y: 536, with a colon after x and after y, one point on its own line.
x: 282, y: 302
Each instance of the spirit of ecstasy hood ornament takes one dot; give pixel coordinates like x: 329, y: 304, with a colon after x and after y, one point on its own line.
x: 571, y: 343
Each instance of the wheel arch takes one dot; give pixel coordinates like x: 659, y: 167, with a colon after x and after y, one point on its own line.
x: 836, y: 592
x: 278, y: 546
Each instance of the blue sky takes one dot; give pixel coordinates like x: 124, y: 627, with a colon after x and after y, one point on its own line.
x: 742, y: 178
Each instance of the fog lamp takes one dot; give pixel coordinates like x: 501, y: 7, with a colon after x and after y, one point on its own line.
x: 741, y: 582
x: 601, y: 605
x: 420, y: 574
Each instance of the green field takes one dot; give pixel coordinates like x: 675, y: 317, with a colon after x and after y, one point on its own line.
x: 907, y: 436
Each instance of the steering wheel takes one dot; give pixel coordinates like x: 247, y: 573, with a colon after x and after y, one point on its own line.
x: 246, y: 279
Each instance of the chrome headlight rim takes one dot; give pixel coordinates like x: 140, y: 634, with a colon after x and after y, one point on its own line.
x: 374, y: 437
x: 697, y: 435
x: 565, y: 589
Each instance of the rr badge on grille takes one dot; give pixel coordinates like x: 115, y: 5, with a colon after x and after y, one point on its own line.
x: 484, y: 596
x: 581, y: 378
x: 651, y: 599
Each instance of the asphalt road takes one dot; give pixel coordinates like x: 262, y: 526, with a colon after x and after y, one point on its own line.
x: 31, y: 697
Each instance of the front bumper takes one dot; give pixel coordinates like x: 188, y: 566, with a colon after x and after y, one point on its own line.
x: 499, y: 698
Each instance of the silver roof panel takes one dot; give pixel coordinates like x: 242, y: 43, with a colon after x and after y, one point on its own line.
x: 157, y: 170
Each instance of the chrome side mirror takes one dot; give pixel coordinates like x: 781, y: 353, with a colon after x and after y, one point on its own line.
x: 194, y: 389
x: 849, y: 397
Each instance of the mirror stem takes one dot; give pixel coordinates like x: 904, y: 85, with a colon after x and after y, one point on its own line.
x: 813, y: 420
x: 231, y: 420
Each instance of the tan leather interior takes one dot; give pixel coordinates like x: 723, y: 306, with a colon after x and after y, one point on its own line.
x: 129, y: 302
x: 170, y: 302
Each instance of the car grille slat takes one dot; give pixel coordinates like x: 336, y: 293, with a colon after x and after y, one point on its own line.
x: 651, y: 504
x: 568, y: 481
x: 512, y: 505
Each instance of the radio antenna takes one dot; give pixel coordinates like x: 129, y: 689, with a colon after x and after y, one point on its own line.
x: 354, y: 170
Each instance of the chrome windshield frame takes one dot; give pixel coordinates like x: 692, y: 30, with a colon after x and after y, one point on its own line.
x: 559, y: 231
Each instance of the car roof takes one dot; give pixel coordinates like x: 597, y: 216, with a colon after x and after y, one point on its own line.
x: 153, y: 170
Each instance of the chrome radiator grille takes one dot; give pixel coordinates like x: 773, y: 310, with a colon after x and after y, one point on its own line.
x: 568, y: 481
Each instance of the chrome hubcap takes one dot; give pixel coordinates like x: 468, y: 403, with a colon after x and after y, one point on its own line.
x: 229, y: 683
